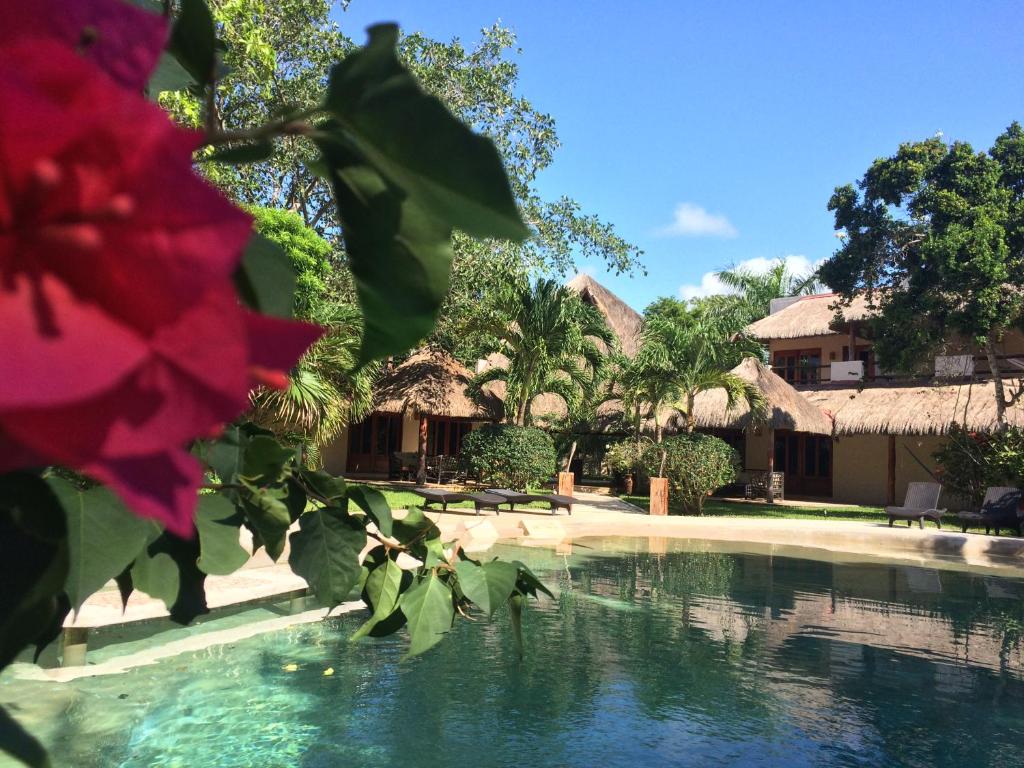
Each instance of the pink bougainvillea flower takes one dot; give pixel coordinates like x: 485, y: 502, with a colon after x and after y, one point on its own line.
x: 121, y: 338
x: 124, y: 40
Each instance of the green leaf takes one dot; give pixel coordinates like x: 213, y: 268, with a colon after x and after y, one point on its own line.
x: 167, y: 570
x: 157, y: 576
x: 296, y: 499
x: 269, y: 519
x: 194, y: 40
x: 488, y: 585
x: 382, y: 590
x: 33, y: 561
x: 429, y: 610
x: 217, y: 523
x: 20, y: 744
x: 225, y: 455
x: 395, y: 249
x: 103, y: 537
x: 169, y: 76
x: 528, y: 583
x: 435, y: 554
x: 325, y: 485
x: 325, y: 552
x: 265, y: 280
x: 412, y: 138
x: 414, y: 527
x: 245, y: 153
x: 374, y: 504
x: 265, y: 459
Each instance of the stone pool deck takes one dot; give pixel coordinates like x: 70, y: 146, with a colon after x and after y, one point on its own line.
x: 598, y: 515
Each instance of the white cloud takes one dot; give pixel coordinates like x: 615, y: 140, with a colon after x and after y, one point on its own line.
x: 710, y: 285
x: 691, y: 220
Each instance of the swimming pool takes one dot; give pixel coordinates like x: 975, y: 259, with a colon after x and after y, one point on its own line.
x: 674, y: 657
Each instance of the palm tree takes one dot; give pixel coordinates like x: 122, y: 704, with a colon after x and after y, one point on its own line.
x: 326, y: 391
x: 757, y: 289
x: 549, y: 338
x: 690, y: 356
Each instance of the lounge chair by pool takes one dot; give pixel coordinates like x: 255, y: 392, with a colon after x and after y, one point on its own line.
x: 1000, y: 509
x: 512, y: 498
x: 920, y: 504
x: 444, y: 498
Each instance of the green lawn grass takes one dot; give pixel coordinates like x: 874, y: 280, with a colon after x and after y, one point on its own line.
x: 725, y: 508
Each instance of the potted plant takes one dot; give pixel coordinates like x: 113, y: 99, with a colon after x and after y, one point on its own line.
x: 622, y: 458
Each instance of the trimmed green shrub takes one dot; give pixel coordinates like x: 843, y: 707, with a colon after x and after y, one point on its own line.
x: 623, y: 456
x: 695, y: 465
x: 508, y: 456
x: 970, y: 462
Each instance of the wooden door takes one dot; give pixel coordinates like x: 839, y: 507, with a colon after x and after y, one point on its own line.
x: 806, y: 461
x: 372, y: 442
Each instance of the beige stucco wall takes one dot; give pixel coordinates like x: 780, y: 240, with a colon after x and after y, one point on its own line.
x: 335, y: 455
x: 410, y: 433
x: 757, y: 451
x: 860, y: 469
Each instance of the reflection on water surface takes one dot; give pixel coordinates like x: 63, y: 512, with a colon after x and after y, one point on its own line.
x: 668, y: 658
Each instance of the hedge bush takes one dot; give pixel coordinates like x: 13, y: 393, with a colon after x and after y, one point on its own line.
x: 695, y: 465
x: 970, y: 462
x: 508, y: 456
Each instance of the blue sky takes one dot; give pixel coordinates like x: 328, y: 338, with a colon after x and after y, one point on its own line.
x: 713, y: 133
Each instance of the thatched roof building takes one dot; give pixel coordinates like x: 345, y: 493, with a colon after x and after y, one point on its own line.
x: 912, y: 408
x: 430, y: 382
x: 624, y: 321
x: 809, y: 316
x: 787, y: 408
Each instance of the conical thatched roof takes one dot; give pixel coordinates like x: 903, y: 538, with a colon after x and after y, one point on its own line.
x: 913, y: 408
x: 623, y: 320
x: 787, y: 408
x: 808, y: 316
x: 430, y: 382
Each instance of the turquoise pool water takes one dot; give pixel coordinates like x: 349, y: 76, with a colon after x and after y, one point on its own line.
x: 680, y: 658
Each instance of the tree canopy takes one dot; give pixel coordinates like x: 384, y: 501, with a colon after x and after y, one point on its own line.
x: 934, y: 236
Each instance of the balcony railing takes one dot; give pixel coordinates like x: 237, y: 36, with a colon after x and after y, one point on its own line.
x: 855, y: 371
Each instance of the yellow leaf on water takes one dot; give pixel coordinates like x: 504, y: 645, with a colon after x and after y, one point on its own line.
x: 290, y: 667
x: 329, y: 671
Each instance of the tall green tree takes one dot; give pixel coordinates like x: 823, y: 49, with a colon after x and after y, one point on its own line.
x: 329, y: 388
x: 551, y: 343
x: 934, y: 236
x: 279, y: 55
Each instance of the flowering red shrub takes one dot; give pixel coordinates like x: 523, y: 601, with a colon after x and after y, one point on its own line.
x: 123, y: 338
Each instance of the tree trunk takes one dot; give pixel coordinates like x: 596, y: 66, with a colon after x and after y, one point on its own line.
x: 521, y: 412
x: 690, y: 421
x: 997, y: 378
x: 421, y: 451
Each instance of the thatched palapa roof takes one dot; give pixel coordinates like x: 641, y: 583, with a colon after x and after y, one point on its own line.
x: 623, y: 320
x: 808, y: 316
x: 430, y: 382
x: 913, y: 408
x: 787, y: 408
